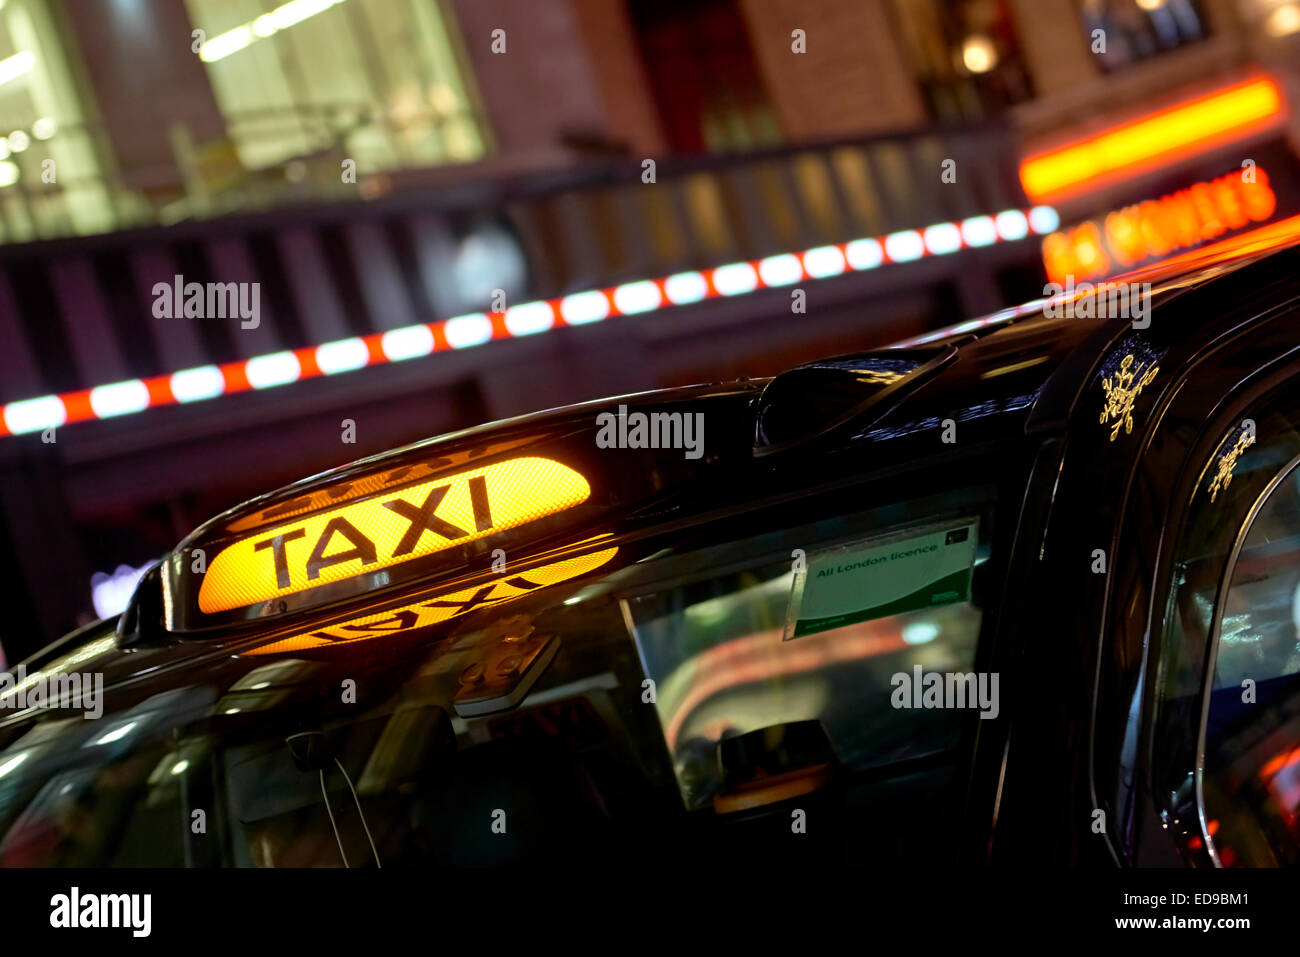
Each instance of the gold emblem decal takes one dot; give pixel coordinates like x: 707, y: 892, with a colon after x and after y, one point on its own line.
x: 1223, y: 477
x: 1122, y: 393
x: 874, y: 377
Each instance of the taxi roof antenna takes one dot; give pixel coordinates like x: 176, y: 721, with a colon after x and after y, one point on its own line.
x: 312, y: 752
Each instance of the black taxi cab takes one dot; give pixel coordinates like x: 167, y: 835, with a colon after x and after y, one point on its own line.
x: 1025, y: 590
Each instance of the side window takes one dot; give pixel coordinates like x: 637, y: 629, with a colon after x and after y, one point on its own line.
x: 101, y: 805
x: 859, y: 654
x: 109, y: 789
x: 1252, y: 735
x: 1226, y: 743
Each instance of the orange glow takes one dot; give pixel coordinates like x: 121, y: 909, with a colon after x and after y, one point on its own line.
x: 1155, y: 228
x: 1163, y: 137
x: 1264, y: 239
x: 432, y: 609
x: 764, y: 657
x: 388, y: 529
x: 1280, y: 761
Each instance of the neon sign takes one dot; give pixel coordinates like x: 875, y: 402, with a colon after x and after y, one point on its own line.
x: 1155, y: 228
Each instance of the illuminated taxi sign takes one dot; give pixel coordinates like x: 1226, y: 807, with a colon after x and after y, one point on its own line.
x: 1155, y: 228
x: 387, y: 529
x: 431, y: 610
x: 346, y: 490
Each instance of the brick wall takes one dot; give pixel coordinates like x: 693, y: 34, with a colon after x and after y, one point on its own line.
x: 852, y: 79
x: 543, y: 86
x: 624, y: 87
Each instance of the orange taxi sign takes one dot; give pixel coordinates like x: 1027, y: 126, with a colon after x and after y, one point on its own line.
x: 387, y: 530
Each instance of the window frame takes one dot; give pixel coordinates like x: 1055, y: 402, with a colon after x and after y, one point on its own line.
x: 1222, y: 341
x: 1227, y: 576
x: 1161, y: 827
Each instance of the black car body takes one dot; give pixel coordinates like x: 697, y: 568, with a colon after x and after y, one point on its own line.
x: 631, y: 672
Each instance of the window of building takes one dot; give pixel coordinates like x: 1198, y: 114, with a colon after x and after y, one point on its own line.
x: 1134, y: 30
x: 374, y: 81
x: 51, y: 179
x: 965, y: 54
x: 704, y: 75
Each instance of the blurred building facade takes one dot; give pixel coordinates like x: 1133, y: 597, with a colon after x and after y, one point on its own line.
x: 157, y: 112
x: 377, y: 164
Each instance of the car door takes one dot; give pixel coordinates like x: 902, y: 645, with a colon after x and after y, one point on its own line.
x: 1196, y: 706
x: 1096, y: 761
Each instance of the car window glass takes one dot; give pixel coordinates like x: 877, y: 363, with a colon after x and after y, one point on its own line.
x: 729, y: 661
x: 1252, y: 734
x: 743, y: 726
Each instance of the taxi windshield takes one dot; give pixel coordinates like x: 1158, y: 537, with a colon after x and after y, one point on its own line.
x: 707, y: 691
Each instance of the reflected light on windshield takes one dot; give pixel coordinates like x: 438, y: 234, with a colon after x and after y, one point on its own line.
x: 117, y: 734
x: 918, y: 633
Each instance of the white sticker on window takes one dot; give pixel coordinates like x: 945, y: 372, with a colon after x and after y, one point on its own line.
x: 908, y: 571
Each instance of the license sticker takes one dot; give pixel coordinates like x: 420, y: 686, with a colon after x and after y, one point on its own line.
x: 863, y: 581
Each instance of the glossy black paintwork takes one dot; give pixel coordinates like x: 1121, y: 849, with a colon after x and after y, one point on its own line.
x: 815, y: 401
x: 1084, y: 638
